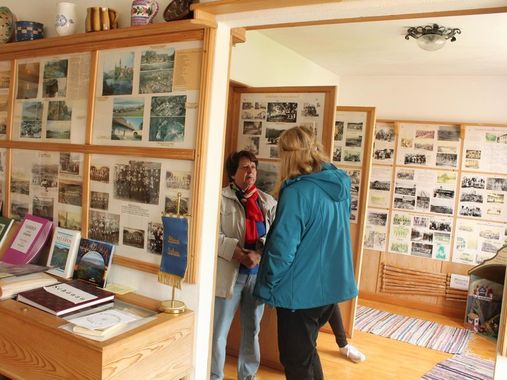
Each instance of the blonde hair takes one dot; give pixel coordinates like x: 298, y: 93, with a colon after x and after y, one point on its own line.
x: 300, y: 153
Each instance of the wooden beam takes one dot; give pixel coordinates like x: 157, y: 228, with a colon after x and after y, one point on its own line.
x: 223, y: 7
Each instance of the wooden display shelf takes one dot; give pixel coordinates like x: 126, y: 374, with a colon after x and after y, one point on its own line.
x: 34, y: 347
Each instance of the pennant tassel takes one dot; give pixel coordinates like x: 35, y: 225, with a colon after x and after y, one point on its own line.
x: 170, y: 279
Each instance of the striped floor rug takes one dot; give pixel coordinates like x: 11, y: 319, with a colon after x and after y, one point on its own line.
x: 462, y: 367
x: 412, y: 330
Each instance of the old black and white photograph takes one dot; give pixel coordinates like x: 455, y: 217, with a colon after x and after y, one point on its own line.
x: 377, y: 218
x: 354, y: 127
x: 19, y: 208
x: 422, y: 249
x: 338, y: 130
x: 424, y: 134
x: 383, y: 154
x: 310, y: 109
x: 384, y: 134
x: 252, y: 127
x: 178, y: 179
x: 352, y: 155
x: 70, y: 192
x: 253, y: 110
x: 156, y: 71
x: 20, y: 185
x: 380, y: 185
x: 441, y: 209
x: 405, y: 190
x: 496, y: 184
x: 468, y: 210
x: 171, y: 205
x: 31, y: 120
x: 337, y: 154
x: 99, y: 173
x: 45, y: 176
x: 447, y: 159
x: 354, y: 141
x: 43, y: 207
x: 167, y: 119
x: 490, y: 234
x: 404, y: 202
x: 273, y: 134
x: 274, y: 152
x: 133, y: 237
x: 282, y: 112
x: 155, y: 238
x: 444, y: 193
x: 471, y: 196
x: 489, y: 247
x: 252, y: 144
x: 448, y: 133
x: 473, y: 182
x: 406, y: 142
x: 137, y: 181
x: 424, y: 146
x: 473, y: 154
x: 99, y: 200
x: 415, y: 159
x: 495, y: 198
x: 375, y: 240
x: 118, y: 73
x: 405, y: 174
x: 421, y: 221
x: 423, y: 200
x: 70, y: 163
x: 104, y: 226
x: 421, y: 235
x: 267, y: 177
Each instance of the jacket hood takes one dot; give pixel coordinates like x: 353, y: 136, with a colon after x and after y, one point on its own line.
x: 333, y: 181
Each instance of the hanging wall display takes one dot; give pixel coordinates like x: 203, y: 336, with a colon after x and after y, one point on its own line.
x: 127, y: 198
x: 428, y: 145
x: 49, y: 185
x: 264, y: 116
x: 348, y: 137
x: 148, y: 96
x: 485, y: 149
x: 52, y: 99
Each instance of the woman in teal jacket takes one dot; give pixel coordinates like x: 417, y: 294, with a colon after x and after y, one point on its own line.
x: 307, y: 263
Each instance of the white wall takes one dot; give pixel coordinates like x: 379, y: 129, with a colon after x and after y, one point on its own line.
x: 438, y: 98
x: 262, y: 62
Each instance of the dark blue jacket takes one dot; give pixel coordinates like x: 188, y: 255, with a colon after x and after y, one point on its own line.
x: 307, y: 260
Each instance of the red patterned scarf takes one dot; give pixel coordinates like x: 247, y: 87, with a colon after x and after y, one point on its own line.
x: 253, y: 212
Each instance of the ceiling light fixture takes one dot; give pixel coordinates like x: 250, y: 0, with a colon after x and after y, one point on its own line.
x: 432, y: 37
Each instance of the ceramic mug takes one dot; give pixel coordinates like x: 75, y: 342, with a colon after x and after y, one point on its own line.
x: 29, y: 30
x: 101, y: 18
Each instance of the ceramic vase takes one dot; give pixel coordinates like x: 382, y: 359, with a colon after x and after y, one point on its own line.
x: 7, y: 21
x: 65, y: 22
x: 143, y: 12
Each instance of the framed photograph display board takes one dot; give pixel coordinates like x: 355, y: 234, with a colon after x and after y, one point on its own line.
x: 100, y: 132
x: 437, y: 198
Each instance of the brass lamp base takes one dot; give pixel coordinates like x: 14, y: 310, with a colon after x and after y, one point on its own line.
x: 172, y: 307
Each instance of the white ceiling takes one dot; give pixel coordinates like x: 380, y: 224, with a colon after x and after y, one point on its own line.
x: 379, y: 48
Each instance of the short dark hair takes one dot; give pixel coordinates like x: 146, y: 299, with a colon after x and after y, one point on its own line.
x: 232, y: 162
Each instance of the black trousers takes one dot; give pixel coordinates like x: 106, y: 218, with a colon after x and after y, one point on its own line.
x: 297, y: 341
x: 336, y: 322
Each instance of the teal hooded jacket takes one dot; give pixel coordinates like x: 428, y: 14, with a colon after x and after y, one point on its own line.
x: 307, y: 260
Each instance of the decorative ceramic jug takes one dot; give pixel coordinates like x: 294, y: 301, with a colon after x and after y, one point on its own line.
x: 65, y: 22
x: 7, y: 21
x: 143, y: 12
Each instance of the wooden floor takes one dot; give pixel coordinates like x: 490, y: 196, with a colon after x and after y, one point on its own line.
x: 385, y: 358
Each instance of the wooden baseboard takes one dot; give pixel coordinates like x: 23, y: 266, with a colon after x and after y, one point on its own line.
x: 450, y: 309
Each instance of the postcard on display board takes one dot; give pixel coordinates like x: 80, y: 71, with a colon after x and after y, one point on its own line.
x: 63, y: 252
x: 94, y: 258
x: 29, y: 240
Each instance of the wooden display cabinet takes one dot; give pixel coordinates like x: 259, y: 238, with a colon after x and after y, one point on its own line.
x: 34, y: 347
